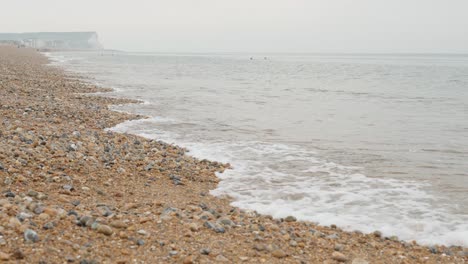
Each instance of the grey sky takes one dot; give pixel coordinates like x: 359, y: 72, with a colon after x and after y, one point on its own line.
x: 252, y: 25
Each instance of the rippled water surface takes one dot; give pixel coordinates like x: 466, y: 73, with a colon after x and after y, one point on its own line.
x: 367, y: 142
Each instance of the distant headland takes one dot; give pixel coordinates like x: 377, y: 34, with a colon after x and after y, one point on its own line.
x: 53, y: 40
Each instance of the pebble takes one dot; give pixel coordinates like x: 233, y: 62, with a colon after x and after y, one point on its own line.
x: 118, y: 224
x: 142, y: 232
x: 68, y: 187
x: 339, y: 247
x: 215, y: 227
x: 18, y: 254
x: 10, y: 194
x: 359, y: 261
x: 173, y: 253
x: 31, y: 235
x: 4, y: 256
x: 188, y: 260
x: 225, y: 221
x: 221, y: 258
x: 194, y: 227
x: 290, y: 219
x: 377, y: 234
x: 205, y: 251
x: 49, y: 225
x: 339, y: 257
x: 278, y: 253
x: 70, y: 259
x: 140, y: 242
x: 104, y: 229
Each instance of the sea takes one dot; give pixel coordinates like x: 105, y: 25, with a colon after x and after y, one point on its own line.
x: 363, y: 141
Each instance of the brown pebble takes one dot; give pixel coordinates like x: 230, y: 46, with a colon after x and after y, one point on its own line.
x: 104, y: 229
x: 193, y: 227
x: 278, y: 253
x: 339, y: 257
x: 118, y: 224
x: 4, y: 256
x: 188, y: 260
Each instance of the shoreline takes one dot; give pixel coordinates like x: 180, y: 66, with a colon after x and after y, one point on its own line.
x: 72, y: 191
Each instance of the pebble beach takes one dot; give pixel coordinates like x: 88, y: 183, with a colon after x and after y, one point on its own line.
x: 72, y: 192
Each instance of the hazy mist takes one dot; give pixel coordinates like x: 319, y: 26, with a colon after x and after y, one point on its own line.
x: 368, y: 26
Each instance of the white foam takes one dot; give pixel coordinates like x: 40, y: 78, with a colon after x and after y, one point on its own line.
x: 317, y: 190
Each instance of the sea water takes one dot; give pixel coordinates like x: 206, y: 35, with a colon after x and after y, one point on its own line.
x: 366, y: 142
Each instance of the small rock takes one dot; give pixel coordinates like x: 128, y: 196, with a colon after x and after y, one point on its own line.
x: 194, y: 227
x: 68, y: 187
x: 205, y: 251
x: 23, y: 216
x: 188, y: 260
x: 104, y: 229
x: 31, y: 235
x: 72, y: 147
x: 359, y: 261
x: 225, y: 221
x: 221, y: 258
x: 173, y: 253
x: 118, y: 224
x: 142, y: 232
x: 4, y: 256
x: 339, y: 247
x: 18, y: 254
x: 49, y: 225
x: 259, y: 247
x: 433, y: 250
x: 140, y: 242
x: 339, y: 257
x: 32, y: 193
x: 41, y: 196
x: 278, y: 253
x: 290, y: 219
x: 377, y: 234
x: 215, y: 227
x: 10, y: 194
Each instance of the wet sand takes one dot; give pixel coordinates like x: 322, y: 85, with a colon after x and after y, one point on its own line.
x: 72, y: 192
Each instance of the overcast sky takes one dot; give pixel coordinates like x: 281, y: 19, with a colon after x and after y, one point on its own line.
x: 370, y: 26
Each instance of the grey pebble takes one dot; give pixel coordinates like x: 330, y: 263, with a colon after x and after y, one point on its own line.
x: 31, y: 235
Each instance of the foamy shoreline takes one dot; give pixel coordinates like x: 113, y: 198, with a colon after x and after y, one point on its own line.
x: 115, y: 197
